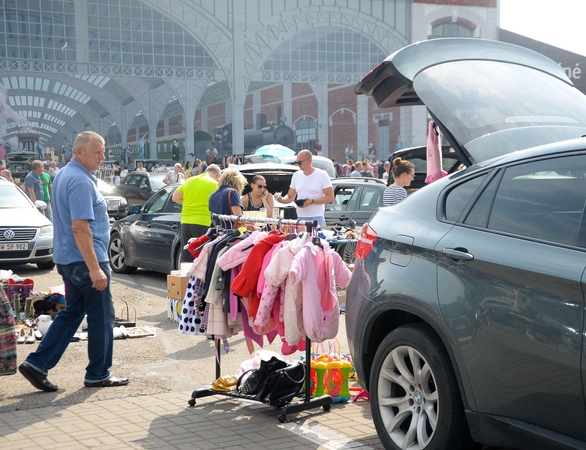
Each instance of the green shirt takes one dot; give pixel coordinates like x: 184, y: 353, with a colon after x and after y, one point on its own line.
x: 196, y: 193
x: 45, y: 181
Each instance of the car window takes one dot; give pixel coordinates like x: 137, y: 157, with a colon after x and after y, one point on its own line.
x: 459, y: 197
x: 134, y: 180
x: 172, y: 207
x: 542, y: 199
x: 157, y: 183
x: 157, y: 202
x: 353, y: 201
x: 371, y: 199
x: 342, y: 195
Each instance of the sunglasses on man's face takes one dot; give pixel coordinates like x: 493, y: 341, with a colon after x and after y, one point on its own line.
x: 299, y: 161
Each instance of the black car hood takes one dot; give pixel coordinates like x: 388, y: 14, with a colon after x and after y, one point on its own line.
x: 489, y: 98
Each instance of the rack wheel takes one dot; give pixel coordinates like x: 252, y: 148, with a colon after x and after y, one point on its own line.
x: 282, y: 418
x: 327, y: 407
x: 191, y: 402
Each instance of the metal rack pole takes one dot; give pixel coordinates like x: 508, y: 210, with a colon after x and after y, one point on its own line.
x: 309, y: 224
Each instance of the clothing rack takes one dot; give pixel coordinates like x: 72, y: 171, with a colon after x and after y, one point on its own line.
x: 324, y: 401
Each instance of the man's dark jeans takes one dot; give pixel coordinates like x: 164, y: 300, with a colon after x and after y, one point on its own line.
x: 81, y: 299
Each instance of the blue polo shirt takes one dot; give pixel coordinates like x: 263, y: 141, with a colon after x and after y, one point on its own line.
x: 33, y: 180
x: 76, y: 197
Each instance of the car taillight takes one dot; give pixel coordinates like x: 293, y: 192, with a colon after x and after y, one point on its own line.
x: 365, y: 242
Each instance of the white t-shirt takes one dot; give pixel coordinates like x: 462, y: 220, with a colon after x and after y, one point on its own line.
x: 311, y: 187
x: 173, y: 177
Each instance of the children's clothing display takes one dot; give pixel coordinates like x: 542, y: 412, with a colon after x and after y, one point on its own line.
x: 266, y: 284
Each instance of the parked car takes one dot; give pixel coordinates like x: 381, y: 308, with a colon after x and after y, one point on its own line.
x: 26, y: 235
x: 19, y: 164
x: 149, y: 237
x: 465, y: 311
x: 355, y: 199
x: 278, y: 178
x: 138, y: 187
x: 418, y: 157
x: 256, y: 159
x: 155, y: 165
x: 117, y: 205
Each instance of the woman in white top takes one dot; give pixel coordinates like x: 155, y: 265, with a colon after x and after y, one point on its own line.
x: 403, y: 174
x: 140, y: 167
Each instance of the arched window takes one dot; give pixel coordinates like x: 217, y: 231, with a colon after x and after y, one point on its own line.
x: 451, y: 29
x: 326, y: 48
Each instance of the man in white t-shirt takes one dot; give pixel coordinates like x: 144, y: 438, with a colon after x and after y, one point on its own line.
x: 176, y: 175
x: 310, y: 188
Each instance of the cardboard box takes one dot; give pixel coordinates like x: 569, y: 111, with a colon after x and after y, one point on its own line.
x: 176, y: 286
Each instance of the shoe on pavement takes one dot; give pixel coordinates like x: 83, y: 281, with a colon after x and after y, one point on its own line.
x: 110, y: 382
x: 36, y: 378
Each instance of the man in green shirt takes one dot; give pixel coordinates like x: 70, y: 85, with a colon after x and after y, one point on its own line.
x: 47, y: 188
x: 195, y: 214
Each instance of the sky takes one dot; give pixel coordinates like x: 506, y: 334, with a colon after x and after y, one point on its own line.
x: 556, y: 22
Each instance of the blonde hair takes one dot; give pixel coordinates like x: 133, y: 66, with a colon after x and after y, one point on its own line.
x: 234, y: 179
x: 84, y: 138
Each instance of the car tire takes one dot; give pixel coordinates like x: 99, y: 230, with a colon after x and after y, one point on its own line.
x: 346, y: 251
x: 116, y: 255
x: 416, y: 408
x: 45, y: 265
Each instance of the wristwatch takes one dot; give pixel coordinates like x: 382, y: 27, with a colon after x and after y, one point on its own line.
x: 312, y: 201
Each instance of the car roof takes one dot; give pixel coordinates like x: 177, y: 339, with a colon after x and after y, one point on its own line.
x: 321, y: 162
x: 261, y: 168
x: 354, y: 180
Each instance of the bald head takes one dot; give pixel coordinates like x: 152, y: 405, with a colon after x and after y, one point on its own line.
x: 305, y: 154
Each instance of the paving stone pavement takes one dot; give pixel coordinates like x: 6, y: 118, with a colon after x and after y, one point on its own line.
x: 165, y: 421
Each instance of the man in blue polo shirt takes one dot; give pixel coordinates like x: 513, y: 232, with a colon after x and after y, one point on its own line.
x: 32, y: 181
x: 81, y: 233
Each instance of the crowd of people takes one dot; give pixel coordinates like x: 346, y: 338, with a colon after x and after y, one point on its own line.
x: 221, y: 192
x: 82, y: 227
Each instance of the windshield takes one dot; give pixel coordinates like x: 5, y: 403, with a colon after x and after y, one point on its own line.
x: 12, y: 197
x: 494, y: 108
x: 157, y: 183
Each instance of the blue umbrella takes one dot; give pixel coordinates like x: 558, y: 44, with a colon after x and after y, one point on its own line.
x: 278, y: 150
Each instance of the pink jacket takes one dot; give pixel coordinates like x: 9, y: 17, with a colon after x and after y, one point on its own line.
x: 319, y: 271
x: 277, y: 273
x: 236, y: 255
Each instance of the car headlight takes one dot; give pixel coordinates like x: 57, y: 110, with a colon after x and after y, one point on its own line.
x: 47, y: 230
x: 123, y: 201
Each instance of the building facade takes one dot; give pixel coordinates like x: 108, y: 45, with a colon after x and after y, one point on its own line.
x: 164, y: 69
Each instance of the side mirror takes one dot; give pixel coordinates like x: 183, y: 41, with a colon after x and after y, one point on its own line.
x: 134, y: 209
x: 40, y: 204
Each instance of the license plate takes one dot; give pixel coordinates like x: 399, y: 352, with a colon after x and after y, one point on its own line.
x: 113, y: 208
x: 13, y: 245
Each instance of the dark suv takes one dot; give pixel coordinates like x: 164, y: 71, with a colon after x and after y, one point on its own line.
x: 465, y: 312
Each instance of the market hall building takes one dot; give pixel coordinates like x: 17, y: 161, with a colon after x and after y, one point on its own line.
x: 204, y: 71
